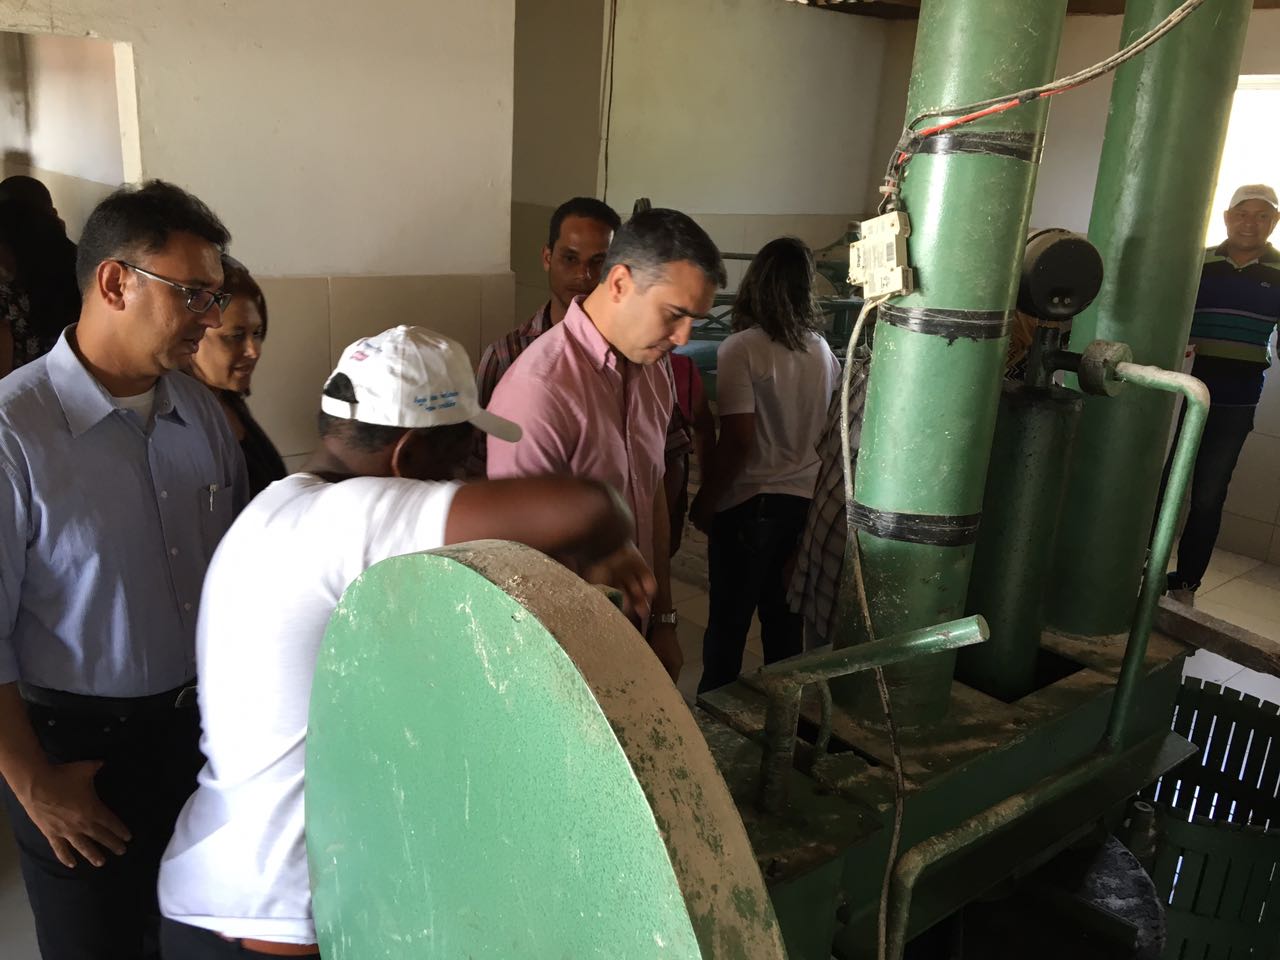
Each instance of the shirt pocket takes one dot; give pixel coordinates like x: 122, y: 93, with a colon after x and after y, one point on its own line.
x: 213, y: 504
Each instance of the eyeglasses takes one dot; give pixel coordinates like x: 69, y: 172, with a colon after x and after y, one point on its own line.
x: 198, y: 300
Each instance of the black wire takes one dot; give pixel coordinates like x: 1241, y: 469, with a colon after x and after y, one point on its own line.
x: 909, y: 142
x: 1080, y: 77
x: 608, y: 115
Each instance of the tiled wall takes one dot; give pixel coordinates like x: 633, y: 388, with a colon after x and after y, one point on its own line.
x: 1251, y: 523
x: 313, y: 318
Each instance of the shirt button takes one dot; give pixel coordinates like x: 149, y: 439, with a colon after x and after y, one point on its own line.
x: 173, y: 551
x: 186, y: 606
x: 164, y: 494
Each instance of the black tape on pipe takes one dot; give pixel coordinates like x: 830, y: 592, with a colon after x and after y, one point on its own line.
x: 1018, y: 146
x: 932, y: 529
x: 950, y: 324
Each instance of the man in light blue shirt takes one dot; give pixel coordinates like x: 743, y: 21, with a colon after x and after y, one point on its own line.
x: 118, y: 477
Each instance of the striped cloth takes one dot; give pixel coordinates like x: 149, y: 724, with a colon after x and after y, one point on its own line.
x: 1237, y: 309
x: 815, y: 585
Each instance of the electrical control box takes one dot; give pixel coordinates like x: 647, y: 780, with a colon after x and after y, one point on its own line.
x: 878, y: 262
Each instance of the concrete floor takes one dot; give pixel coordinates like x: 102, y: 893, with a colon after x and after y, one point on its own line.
x: 1237, y: 589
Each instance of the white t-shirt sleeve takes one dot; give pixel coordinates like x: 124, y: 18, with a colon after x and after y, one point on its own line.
x: 408, y: 516
x: 734, y: 390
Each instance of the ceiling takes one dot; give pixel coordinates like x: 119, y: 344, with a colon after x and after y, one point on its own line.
x: 910, y: 9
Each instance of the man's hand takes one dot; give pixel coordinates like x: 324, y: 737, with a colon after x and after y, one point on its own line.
x: 665, y: 643
x: 626, y: 570
x: 702, y: 512
x: 66, y: 808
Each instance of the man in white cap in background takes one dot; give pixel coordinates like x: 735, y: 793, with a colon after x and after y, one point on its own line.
x: 396, y: 425
x: 1236, y: 313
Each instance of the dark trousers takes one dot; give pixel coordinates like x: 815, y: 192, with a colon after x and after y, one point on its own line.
x: 150, y: 761
x: 178, y: 941
x: 1225, y: 431
x: 748, y: 554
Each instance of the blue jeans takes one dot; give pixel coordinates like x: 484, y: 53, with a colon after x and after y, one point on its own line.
x: 748, y: 555
x: 1225, y: 431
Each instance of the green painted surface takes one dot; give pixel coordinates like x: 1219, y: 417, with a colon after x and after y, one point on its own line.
x: 1169, y: 111
x: 931, y: 403
x: 466, y: 796
x: 1015, y: 546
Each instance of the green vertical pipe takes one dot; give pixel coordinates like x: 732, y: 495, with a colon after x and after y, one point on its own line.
x: 1169, y: 111
x: 931, y: 402
x: 1014, y: 555
x: 1153, y: 581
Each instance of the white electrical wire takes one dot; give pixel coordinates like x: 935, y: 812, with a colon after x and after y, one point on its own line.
x: 882, y: 685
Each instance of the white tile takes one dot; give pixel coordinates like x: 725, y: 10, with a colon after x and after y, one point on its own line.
x: 1261, y: 685
x: 1265, y: 574
x: 1265, y: 626
x: 1228, y: 565
x: 1246, y: 536
x: 1247, y: 596
x: 1209, y: 666
x: 1255, y: 490
x: 295, y: 361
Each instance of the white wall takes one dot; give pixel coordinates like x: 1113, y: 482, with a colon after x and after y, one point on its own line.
x: 332, y: 139
x: 68, y: 119
x: 743, y: 106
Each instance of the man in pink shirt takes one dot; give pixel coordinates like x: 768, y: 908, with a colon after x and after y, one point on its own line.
x: 593, y: 399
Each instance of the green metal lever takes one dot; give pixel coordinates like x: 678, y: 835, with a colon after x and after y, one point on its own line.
x: 783, y: 682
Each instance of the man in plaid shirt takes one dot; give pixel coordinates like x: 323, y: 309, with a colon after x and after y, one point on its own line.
x: 581, y: 230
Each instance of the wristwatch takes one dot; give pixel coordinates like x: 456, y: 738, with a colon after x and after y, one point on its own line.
x: 669, y: 618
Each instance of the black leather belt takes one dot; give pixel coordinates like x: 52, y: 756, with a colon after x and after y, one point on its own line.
x: 176, y: 699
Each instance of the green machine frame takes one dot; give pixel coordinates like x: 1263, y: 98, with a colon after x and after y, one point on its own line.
x: 480, y: 716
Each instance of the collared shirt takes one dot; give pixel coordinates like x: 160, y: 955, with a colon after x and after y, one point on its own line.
x: 1237, y: 309
x: 107, y: 524
x: 502, y: 353
x: 587, y: 412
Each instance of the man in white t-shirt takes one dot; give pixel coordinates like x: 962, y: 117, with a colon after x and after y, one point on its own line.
x: 397, y: 411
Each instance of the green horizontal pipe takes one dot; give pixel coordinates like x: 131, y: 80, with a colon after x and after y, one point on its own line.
x: 1168, y: 119
x: 830, y: 664
x: 1153, y: 582
x: 931, y: 402
x: 783, y: 682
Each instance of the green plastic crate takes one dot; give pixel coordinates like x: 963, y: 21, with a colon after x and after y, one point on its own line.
x: 1217, y: 865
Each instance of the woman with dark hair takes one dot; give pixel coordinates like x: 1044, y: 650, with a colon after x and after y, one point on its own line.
x: 225, y: 363
x: 40, y: 297
x: 775, y: 375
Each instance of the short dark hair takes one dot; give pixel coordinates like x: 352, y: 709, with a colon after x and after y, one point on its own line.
x: 778, y: 293
x: 239, y: 282
x: 653, y: 238
x: 136, y: 220
x: 588, y: 207
x: 368, y: 437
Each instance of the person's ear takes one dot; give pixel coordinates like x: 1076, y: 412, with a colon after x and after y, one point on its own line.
x: 111, y: 279
x: 619, y: 282
x: 402, y: 456
x: 546, y: 259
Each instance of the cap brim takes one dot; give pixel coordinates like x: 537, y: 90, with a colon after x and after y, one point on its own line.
x: 495, y: 426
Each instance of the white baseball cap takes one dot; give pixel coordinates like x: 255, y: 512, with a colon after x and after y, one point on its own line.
x: 413, y: 377
x: 1253, y: 191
